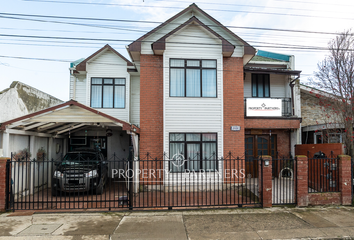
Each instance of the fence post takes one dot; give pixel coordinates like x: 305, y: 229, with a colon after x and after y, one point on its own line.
x: 131, y: 180
x: 266, y: 185
x: 3, y: 187
x: 302, y: 183
x: 345, y: 181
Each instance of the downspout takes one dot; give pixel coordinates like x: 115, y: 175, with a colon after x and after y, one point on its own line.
x: 292, y: 84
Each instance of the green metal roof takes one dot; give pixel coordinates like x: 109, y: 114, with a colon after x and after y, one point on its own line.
x: 74, y: 63
x: 276, y: 56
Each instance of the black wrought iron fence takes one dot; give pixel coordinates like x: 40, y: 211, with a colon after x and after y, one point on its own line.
x: 196, y: 182
x: 80, y: 182
x: 85, y: 182
x: 323, y: 173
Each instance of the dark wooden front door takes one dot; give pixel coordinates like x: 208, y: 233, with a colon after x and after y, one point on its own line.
x: 255, y: 146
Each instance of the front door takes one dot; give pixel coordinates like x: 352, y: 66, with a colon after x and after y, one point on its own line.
x: 256, y: 146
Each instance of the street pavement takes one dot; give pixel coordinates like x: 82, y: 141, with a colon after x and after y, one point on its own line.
x: 240, y: 223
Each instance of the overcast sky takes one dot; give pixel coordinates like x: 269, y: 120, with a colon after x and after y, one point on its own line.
x: 19, y: 49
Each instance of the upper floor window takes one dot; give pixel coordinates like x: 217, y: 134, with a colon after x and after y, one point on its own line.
x: 108, y: 92
x: 192, y: 78
x: 260, y: 85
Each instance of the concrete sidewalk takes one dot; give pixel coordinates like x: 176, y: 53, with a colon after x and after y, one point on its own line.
x: 271, y: 223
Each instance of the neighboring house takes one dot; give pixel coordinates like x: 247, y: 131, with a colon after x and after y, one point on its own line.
x: 193, y: 88
x: 318, y: 124
x: 20, y: 99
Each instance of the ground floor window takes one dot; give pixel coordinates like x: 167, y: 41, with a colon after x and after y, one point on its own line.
x: 193, y: 152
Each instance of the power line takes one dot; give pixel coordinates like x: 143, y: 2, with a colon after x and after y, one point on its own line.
x: 112, y: 28
x: 243, y: 5
x: 180, y: 8
x: 150, y: 22
x: 182, y: 43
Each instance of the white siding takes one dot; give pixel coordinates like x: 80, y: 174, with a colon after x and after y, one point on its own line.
x: 146, y: 46
x: 80, y: 93
x: 18, y: 142
x: 182, y: 114
x: 110, y: 65
x: 71, y: 90
x: 135, y: 100
x: 279, y: 86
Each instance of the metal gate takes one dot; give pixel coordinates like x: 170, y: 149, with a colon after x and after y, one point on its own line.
x: 38, y: 184
x: 283, y: 180
x: 149, y: 183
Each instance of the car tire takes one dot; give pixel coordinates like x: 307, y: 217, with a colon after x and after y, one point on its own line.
x: 55, y: 192
x: 99, y: 189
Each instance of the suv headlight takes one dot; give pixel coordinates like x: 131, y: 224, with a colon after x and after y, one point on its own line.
x: 58, y: 174
x: 92, y: 173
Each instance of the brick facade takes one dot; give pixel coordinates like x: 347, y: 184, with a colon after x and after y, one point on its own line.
x: 3, y: 184
x: 268, y: 123
x: 343, y: 197
x: 302, y: 182
x: 265, y: 184
x: 234, y: 141
x: 345, y: 179
x: 151, y: 106
x: 325, y: 198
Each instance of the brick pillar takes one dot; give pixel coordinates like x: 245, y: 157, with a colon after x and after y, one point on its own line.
x: 345, y: 182
x: 265, y: 174
x: 302, y: 188
x: 3, y: 184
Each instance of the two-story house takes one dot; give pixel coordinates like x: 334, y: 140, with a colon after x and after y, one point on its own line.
x: 192, y: 88
x: 195, y: 88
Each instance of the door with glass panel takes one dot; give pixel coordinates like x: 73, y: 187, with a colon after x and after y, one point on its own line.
x: 256, y: 146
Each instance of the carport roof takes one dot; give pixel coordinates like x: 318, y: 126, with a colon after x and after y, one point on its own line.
x: 63, y: 118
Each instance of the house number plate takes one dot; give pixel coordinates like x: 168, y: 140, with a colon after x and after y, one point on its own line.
x: 235, y: 128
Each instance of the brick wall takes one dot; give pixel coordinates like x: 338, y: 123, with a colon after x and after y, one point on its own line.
x: 326, y: 198
x: 151, y: 106
x: 326, y: 148
x: 151, y: 113
x: 343, y: 197
x: 3, y: 184
x: 267, y: 123
x: 234, y: 141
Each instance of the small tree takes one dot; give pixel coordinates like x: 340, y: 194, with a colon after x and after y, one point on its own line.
x: 335, y: 76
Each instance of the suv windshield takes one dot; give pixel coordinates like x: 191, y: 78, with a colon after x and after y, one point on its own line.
x: 81, y: 157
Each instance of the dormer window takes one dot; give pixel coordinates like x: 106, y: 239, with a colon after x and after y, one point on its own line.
x: 108, y: 92
x: 193, y: 78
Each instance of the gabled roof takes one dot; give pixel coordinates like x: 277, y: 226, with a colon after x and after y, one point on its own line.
x: 136, y: 45
x: 82, y: 65
x: 227, y: 47
x: 72, y: 117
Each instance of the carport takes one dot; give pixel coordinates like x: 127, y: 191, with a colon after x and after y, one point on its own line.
x: 55, y: 131
x: 64, y: 125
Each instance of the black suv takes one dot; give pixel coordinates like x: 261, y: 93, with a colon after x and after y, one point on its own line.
x: 80, y: 171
